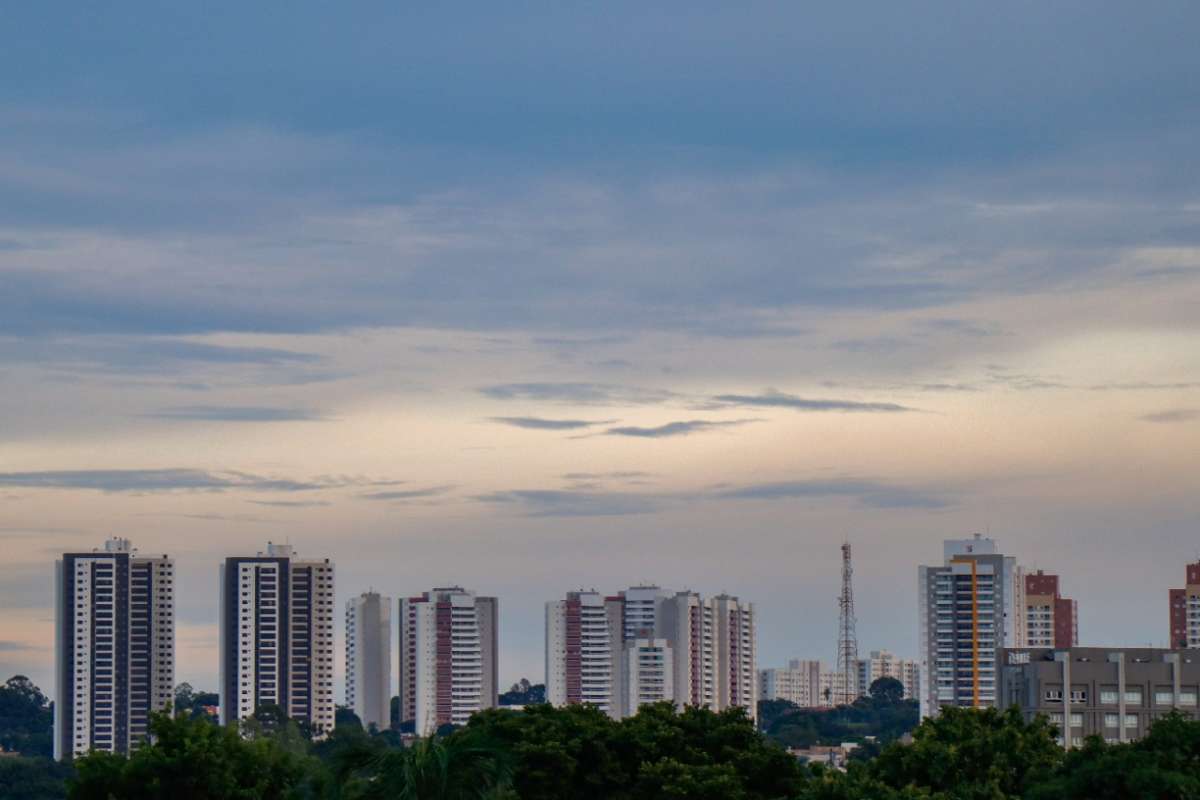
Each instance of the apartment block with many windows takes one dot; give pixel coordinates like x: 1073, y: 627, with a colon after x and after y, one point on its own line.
x: 1184, y: 607
x: 448, y: 650
x: 277, y: 637
x: 114, y: 647
x: 1050, y: 620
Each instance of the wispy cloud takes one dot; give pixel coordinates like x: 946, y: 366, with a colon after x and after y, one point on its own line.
x: 776, y: 399
x: 679, y: 428
x: 578, y: 393
x: 408, y: 494
x: 237, y: 414
x: 869, y: 493
x: 541, y: 424
x: 8, y: 646
x: 1173, y: 415
x: 168, y: 480
x: 291, y: 503
x: 565, y: 503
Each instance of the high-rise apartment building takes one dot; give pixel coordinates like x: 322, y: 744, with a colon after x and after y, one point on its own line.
x: 882, y: 664
x: 1050, y: 620
x: 277, y: 637
x: 1185, y: 611
x: 688, y: 622
x: 966, y: 614
x: 735, y: 645
x: 800, y: 683
x: 114, y: 647
x: 369, y: 658
x: 646, y: 673
x: 710, y: 642
x: 448, y: 666
x: 583, y: 651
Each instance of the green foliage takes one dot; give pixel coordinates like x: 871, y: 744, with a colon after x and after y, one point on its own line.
x: 883, y: 716
x: 32, y: 779
x: 580, y: 753
x: 193, y: 760
x: 886, y: 689
x: 26, y: 719
x: 524, y: 693
x: 970, y: 754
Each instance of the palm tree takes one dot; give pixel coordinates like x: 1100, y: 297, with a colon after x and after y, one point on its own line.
x: 456, y: 767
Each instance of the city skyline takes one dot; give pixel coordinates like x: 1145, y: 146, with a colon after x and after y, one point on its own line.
x: 529, y: 300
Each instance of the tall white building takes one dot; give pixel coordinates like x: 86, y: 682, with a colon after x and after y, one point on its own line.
x: 800, y: 683
x: 583, y: 651
x: 710, y: 649
x: 369, y: 658
x: 969, y: 608
x: 646, y: 673
x: 882, y: 664
x: 448, y: 649
x: 277, y: 637
x: 735, y: 655
x: 114, y: 647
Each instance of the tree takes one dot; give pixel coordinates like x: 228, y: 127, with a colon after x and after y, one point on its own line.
x: 451, y: 768
x: 887, y: 690
x: 189, y: 759
x: 26, y: 718
x: 972, y: 753
x: 32, y: 779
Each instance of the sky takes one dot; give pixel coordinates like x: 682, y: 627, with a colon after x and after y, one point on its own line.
x: 530, y: 297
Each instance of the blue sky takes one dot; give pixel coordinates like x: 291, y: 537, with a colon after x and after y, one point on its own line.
x: 542, y: 296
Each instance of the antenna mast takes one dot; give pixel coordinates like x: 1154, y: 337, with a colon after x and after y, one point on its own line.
x: 847, y: 637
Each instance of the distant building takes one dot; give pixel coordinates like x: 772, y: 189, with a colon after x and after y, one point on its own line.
x: 369, y: 658
x: 799, y: 683
x: 583, y: 651
x: 710, y: 649
x: 882, y: 664
x: 1115, y: 693
x: 646, y: 673
x: 1185, y: 610
x: 967, y: 611
x: 114, y: 647
x: 1051, y: 620
x: 448, y: 652
x: 277, y: 635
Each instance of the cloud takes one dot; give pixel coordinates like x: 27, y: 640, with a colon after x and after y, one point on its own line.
x: 868, y: 493
x: 539, y: 423
x: 408, y: 494
x: 1173, y: 415
x: 680, y: 428
x: 774, y: 399
x: 577, y: 393
x: 169, y: 480
x: 291, y: 503
x: 563, y: 503
x: 237, y: 414
x: 13, y: 647
x: 615, y: 475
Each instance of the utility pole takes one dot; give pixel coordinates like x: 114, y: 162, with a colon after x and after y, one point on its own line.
x: 847, y: 637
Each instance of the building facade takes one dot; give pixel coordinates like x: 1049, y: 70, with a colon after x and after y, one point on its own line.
x: 710, y: 649
x: 114, y: 647
x: 967, y: 610
x: 1050, y: 620
x: 583, y: 651
x: 1114, y: 693
x: 647, y: 674
x: 277, y: 637
x: 448, y: 652
x: 882, y: 664
x: 799, y: 683
x: 1185, y: 610
x: 369, y: 658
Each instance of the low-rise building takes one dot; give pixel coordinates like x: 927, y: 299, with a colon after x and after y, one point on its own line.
x: 1115, y: 693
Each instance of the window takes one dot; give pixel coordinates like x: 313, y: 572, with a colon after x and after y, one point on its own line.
x: 1054, y: 695
x: 1187, y: 698
x: 1131, y: 720
x: 1164, y: 698
x: 1109, y: 697
x: 1056, y: 718
x: 1077, y: 720
x: 1133, y: 697
x: 1112, y: 720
